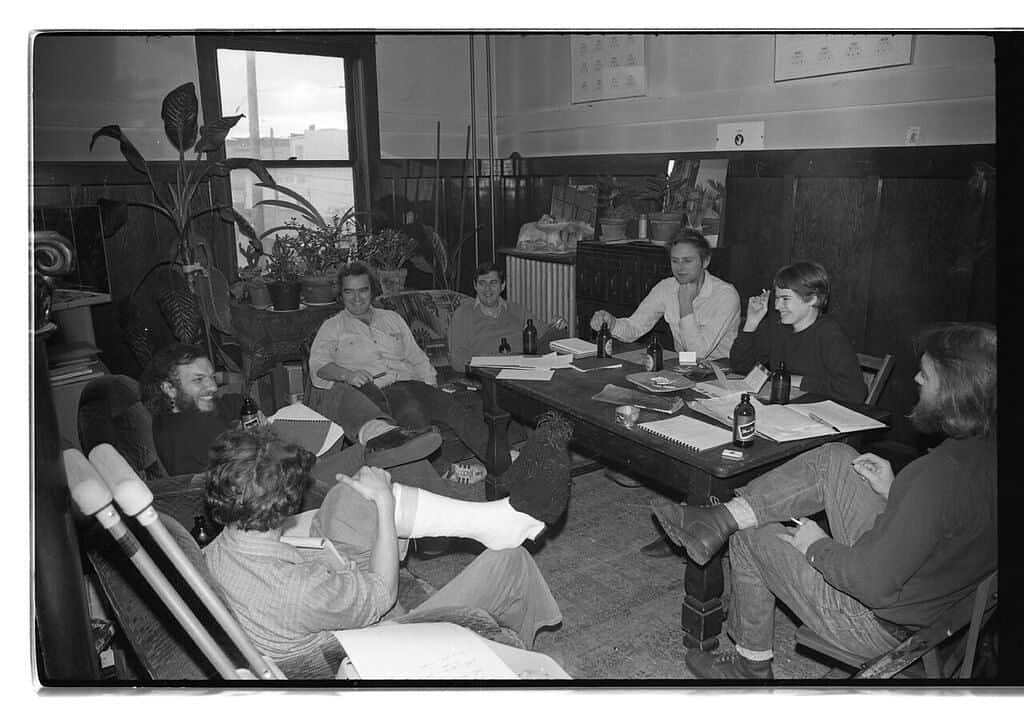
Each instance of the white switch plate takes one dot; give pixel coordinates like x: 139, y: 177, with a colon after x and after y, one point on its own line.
x: 740, y: 136
x: 913, y: 136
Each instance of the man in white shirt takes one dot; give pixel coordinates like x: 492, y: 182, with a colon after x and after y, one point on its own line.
x: 702, y: 310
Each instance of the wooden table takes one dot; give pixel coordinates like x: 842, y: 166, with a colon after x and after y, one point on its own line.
x: 698, y: 476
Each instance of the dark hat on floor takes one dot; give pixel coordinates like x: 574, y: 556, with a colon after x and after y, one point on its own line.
x: 538, y: 480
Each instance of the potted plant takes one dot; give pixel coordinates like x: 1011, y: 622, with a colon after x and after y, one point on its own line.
x: 251, y: 284
x: 283, y: 275
x: 387, y: 251
x: 668, y: 197
x: 617, y: 210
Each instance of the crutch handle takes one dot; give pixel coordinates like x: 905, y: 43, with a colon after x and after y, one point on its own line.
x: 130, y: 492
x: 88, y: 489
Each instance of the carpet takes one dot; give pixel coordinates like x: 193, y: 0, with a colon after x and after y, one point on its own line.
x: 620, y: 608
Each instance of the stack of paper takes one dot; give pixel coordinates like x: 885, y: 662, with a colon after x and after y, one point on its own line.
x: 791, y: 422
x: 574, y: 346
x: 524, y: 367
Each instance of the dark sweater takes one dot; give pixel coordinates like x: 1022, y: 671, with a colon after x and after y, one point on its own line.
x: 822, y: 354
x: 935, y: 540
x: 183, y: 440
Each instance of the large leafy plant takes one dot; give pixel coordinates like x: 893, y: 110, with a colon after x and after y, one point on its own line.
x: 174, y: 200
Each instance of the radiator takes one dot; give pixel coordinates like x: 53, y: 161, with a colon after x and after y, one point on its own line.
x: 544, y: 288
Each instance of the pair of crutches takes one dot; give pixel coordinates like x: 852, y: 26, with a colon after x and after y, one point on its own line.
x: 104, y: 477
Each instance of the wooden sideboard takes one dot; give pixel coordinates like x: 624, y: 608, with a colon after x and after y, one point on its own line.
x: 616, y: 277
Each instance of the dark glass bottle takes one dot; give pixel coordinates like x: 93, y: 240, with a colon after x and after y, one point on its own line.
x: 653, y: 359
x: 199, y: 532
x: 780, y: 385
x: 743, y: 425
x: 529, y: 338
x: 604, y: 341
x: 504, y: 348
x: 250, y: 414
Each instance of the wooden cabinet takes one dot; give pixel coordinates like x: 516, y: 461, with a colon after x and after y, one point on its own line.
x: 616, y: 277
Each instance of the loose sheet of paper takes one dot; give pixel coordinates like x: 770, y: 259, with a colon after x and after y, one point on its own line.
x: 529, y: 375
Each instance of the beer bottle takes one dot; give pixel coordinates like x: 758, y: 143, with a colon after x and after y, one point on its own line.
x: 653, y: 357
x: 250, y: 414
x: 504, y: 348
x: 199, y: 532
x: 780, y: 385
x: 743, y: 426
x: 604, y: 341
x: 529, y: 338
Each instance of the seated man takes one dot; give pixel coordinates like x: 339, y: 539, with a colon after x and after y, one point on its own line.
x: 179, y: 390
x: 906, y: 549
x: 701, y: 309
x: 289, y: 599
x: 479, y: 325
x: 374, y: 351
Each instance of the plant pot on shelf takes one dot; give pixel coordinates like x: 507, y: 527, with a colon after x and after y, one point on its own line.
x: 284, y: 295
x: 613, y: 228
x: 664, y: 225
x: 320, y: 289
x: 259, y: 295
x: 392, y: 281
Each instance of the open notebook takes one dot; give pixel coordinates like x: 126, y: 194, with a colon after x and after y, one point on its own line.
x: 791, y: 422
x: 688, y: 432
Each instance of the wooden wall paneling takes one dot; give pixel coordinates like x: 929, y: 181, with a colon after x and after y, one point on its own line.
x: 755, y: 215
x: 832, y: 223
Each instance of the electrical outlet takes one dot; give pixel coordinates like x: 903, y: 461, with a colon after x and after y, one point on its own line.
x: 913, y: 136
x: 740, y: 136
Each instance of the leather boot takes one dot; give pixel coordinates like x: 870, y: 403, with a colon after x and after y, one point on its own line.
x: 728, y: 665
x: 700, y: 530
x: 401, y: 445
x: 660, y: 548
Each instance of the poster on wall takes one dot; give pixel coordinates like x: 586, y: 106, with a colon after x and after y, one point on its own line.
x: 798, y: 56
x: 607, y: 66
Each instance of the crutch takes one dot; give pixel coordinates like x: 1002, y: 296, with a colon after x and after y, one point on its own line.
x: 136, y: 500
x: 93, y: 497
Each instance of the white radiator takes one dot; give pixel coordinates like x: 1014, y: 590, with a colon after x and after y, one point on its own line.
x: 545, y: 288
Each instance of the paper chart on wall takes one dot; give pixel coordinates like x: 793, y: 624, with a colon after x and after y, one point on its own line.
x: 799, y: 56
x: 608, y: 66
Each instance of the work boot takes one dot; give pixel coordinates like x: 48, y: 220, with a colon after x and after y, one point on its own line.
x: 700, y: 530
x: 401, y: 445
x: 729, y: 665
x: 660, y: 548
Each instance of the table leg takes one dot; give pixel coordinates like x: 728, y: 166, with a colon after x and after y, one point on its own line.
x: 702, y: 611
x: 497, y: 441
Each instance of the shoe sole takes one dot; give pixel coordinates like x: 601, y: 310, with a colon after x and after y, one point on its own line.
x: 694, y: 548
x: 622, y: 480
x: 414, y: 449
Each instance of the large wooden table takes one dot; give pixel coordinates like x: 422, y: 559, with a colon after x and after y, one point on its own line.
x: 699, y: 477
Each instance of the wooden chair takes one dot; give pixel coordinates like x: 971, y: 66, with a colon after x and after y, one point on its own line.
x: 876, y: 371
x: 956, y: 632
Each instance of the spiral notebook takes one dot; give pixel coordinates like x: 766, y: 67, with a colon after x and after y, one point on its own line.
x: 688, y: 432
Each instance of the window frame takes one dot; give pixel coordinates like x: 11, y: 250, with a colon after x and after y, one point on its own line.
x: 358, y: 51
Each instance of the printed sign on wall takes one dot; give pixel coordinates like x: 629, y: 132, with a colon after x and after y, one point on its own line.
x: 798, y: 56
x: 606, y: 66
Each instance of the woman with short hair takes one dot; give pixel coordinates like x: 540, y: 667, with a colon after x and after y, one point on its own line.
x: 818, y: 355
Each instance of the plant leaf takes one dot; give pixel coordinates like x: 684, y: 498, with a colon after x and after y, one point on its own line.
x: 317, y: 217
x: 180, y: 111
x: 421, y: 263
x: 113, y: 215
x: 213, y: 135
x: 133, y: 156
x: 288, y: 205
x: 230, y: 215
x: 223, y: 167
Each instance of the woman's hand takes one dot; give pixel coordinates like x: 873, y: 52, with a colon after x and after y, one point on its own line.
x: 358, y: 377
x: 601, y: 317
x: 372, y: 483
x: 757, y: 308
x: 876, y: 471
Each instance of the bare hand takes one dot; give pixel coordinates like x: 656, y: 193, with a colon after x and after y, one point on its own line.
x: 876, y: 471
x: 804, y: 535
x: 687, y: 292
x: 358, y: 377
x: 371, y: 482
x: 757, y: 308
x: 601, y: 317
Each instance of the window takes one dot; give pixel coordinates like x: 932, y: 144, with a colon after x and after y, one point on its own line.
x: 310, y: 115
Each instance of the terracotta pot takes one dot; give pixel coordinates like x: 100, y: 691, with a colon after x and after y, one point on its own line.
x: 391, y: 281
x: 319, y: 289
x: 613, y: 228
x: 284, y: 295
x: 664, y: 225
x: 259, y: 296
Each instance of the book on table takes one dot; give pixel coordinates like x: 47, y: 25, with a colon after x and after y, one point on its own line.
x: 688, y: 432
x: 660, y: 382
x: 589, y: 364
x: 574, y: 346
x: 790, y: 422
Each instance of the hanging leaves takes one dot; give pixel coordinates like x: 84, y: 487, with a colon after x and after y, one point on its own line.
x: 213, y: 134
x: 131, y: 154
x: 180, y: 111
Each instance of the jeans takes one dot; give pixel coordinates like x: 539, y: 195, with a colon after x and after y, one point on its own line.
x: 766, y: 568
x: 417, y: 404
x: 347, y: 406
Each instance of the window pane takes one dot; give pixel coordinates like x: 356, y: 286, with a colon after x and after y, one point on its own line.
x: 329, y: 189
x: 297, y: 108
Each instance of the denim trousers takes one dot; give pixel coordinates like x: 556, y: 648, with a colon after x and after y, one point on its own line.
x: 416, y: 404
x: 766, y: 567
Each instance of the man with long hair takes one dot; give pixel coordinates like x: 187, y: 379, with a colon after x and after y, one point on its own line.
x: 904, y: 549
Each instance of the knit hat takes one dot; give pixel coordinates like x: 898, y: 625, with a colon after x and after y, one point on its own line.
x: 538, y: 480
